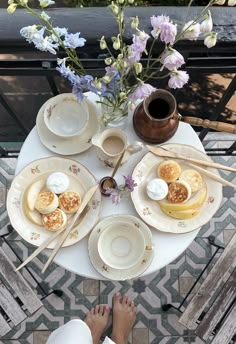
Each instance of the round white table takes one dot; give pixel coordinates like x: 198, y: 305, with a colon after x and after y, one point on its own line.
x: 75, y: 258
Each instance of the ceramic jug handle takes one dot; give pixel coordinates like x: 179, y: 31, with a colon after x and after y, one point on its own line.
x: 135, y: 147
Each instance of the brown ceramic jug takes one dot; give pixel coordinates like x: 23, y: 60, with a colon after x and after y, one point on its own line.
x: 156, y: 119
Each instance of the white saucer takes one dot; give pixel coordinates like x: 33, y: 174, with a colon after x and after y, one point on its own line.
x: 120, y: 274
x: 73, y: 145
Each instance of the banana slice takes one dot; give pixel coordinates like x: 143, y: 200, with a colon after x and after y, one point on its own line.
x: 32, y: 193
x: 194, y: 202
x: 33, y: 216
x: 181, y: 214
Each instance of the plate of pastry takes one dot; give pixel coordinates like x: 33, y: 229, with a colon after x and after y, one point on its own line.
x: 172, y: 196
x: 45, y: 194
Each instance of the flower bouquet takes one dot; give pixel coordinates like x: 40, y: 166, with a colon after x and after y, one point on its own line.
x: 126, y: 78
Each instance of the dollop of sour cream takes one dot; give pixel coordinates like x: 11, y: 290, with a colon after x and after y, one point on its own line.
x: 157, y: 189
x: 57, y: 182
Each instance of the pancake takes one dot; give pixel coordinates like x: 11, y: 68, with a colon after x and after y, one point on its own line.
x: 69, y: 202
x: 178, y: 192
x: 54, y: 220
x: 47, y: 201
x: 193, y: 178
x: 169, y: 171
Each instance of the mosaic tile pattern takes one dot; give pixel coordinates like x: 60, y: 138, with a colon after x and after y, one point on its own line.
x: 169, y: 285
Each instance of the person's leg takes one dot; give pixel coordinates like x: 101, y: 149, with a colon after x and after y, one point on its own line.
x: 124, y: 315
x: 74, y: 331
x: 97, y: 320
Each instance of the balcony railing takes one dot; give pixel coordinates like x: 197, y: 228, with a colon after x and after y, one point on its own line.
x: 28, y: 77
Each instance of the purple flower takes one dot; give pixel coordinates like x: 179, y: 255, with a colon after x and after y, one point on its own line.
x: 73, y: 41
x: 156, y: 22
x: 130, y: 183
x: 172, y: 59
x: 137, y: 48
x: 140, y: 41
x: 114, y: 194
x: 143, y: 90
x: 78, y: 92
x: 168, y: 32
x: 178, y: 79
x: 66, y: 71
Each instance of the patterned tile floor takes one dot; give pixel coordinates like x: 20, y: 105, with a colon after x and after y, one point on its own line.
x: 170, y: 284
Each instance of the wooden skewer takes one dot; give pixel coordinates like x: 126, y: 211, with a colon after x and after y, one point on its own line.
x: 51, y: 238
x: 65, y: 234
x: 212, y: 175
x: 163, y: 152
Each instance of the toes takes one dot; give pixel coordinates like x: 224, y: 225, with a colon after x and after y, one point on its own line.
x: 132, y: 305
x: 125, y: 299
x: 97, y: 307
x: 116, y: 298
x: 106, y: 309
x: 92, y: 311
x: 103, y: 309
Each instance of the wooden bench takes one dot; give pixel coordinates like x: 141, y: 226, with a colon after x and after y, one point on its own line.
x: 212, y: 310
x: 17, y: 299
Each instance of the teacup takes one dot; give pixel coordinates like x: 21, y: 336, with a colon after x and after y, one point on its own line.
x: 111, y: 143
x: 121, y: 246
x: 64, y: 116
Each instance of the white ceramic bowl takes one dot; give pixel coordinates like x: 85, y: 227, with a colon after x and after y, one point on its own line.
x: 65, y: 116
x: 121, y: 245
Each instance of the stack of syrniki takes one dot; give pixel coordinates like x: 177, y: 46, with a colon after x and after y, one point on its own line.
x: 186, y: 190
x: 47, y: 201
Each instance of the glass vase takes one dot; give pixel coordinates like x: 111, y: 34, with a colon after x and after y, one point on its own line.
x: 114, y: 115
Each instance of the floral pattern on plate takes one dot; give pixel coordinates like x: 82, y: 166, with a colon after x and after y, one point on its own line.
x: 123, y: 274
x: 80, y: 181
x: 150, y: 211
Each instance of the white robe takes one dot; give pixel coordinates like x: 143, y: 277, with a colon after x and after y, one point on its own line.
x: 74, y: 332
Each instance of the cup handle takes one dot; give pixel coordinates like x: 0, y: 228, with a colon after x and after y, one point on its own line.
x: 135, y: 147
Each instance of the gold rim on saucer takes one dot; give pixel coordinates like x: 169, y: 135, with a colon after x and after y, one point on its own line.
x: 80, y: 181
x: 120, y: 274
x: 150, y: 211
x: 73, y: 145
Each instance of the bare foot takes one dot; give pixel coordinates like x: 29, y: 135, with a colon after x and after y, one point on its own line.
x: 97, y: 321
x: 124, y: 315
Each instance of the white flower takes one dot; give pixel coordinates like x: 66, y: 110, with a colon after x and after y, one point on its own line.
x: 44, y: 16
x: 31, y: 33
x: 178, y: 79
x: 45, y: 44
x: 46, y: 3
x: 231, y: 2
x: 73, y: 40
x: 172, y: 59
x: 207, y: 24
x: 192, y: 31
x: 210, y: 40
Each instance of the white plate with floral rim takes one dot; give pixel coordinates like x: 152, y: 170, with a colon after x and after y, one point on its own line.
x: 123, y: 274
x: 74, y: 145
x: 80, y: 181
x: 150, y: 211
